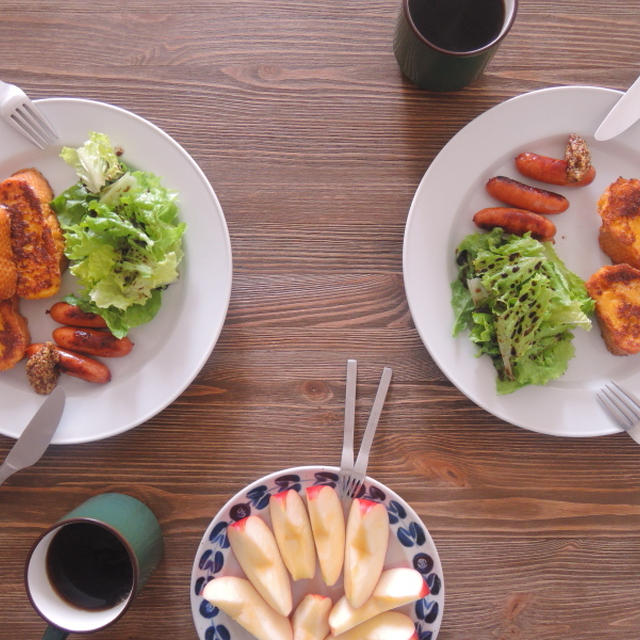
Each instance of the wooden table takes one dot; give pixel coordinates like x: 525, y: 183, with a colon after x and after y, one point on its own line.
x: 315, y: 144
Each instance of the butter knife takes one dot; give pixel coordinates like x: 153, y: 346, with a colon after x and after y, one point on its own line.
x: 35, y: 438
x: 623, y: 114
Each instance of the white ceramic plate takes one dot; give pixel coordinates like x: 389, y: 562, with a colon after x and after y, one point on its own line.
x: 452, y: 190
x: 409, y: 545
x: 171, y: 349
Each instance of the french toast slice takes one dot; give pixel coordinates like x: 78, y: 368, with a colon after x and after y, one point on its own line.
x: 619, y: 209
x: 44, y: 192
x: 616, y: 291
x: 14, y: 333
x: 8, y: 273
x: 37, y: 249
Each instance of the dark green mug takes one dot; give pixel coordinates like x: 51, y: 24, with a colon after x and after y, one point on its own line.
x: 83, y: 572
x: 444, y: 45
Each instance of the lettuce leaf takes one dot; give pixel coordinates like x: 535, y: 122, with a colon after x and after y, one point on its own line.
x: 520, y: 303
x: 95, y: 162
x: 124, y: 243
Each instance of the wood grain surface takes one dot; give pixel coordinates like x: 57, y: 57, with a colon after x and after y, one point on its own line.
x: 298, y: 114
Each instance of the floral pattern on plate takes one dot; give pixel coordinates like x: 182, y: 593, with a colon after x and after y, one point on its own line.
x: 410, y: 545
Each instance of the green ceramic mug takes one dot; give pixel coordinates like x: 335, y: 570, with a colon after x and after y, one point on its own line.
x: 83, y: 572
x: 444, y: 45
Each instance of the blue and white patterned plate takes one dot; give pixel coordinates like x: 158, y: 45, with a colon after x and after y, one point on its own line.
x: 409, y: 545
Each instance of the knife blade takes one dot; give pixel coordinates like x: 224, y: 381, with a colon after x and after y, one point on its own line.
x: 623, y: 114
x: 36, y: 436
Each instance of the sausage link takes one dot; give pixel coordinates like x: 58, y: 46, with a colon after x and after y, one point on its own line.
x: 524, y: 196
x: 77, y: 365
x: 517, y: 221
x: 550, y: 170
x: 71, y: 314
x: 92, y: 341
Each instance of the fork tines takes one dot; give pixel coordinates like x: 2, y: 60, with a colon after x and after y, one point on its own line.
x: 623, y: 407
x: 17, y: 110
x: 28, y: 120
x: 352, y: 486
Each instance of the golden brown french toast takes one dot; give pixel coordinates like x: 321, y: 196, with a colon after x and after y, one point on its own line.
x: 619, y: 208
x: 14, y: 333
x: 616, y: 290
x: 45, y: 194
x: 8, y: 273
x: 36, y: 239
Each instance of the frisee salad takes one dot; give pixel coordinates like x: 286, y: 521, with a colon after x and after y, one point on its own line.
x: 519, y: 302
x: 122, y: 234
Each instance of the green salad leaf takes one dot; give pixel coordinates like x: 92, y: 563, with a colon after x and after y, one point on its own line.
x: 519, y: 302
x: 124, y: 241
x: 95, y: 162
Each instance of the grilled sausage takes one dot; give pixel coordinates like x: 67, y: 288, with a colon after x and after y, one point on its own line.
x: 524, y: 196
x: 517, y: 221
x: 550, y: 170
x: 77, y: 365
x: 92, y: 341
x: 71, y: 314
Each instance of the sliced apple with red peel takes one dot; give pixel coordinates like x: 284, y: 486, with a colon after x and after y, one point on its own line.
x: 390, y: 625
x: 257, y: 553
x: 367, y: 537
x: 292, y: 531
x: 311, y: 618
x: 240, y: 601
x: 400, y: 586
x: 395, y: 588
x: 327, y: 524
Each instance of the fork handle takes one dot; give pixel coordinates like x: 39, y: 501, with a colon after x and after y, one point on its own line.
x: 349, y: 415
x: 372, y: 423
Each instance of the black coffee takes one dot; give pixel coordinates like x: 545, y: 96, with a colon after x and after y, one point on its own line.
x: 89, y: 567
x: 458, y: 25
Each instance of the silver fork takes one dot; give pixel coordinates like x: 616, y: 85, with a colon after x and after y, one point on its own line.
x: 18, y: 111
x: 346, y: 461
x: 622, y: 407
x: 352, y: 475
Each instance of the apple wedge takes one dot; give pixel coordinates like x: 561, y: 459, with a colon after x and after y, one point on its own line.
x: 241, y: 602
x: 390, y: 625
x: 257, y: 553
x: 311, y: 618
x: 395, y: 588
x: 292, y: 531
x: 367, y: 537
x: 327, y: 524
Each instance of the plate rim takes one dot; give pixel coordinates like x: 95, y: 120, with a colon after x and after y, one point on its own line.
x: 195, y: 601
x: 410, y: 222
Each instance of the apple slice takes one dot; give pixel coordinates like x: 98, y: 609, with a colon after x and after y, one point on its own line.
x: 311, y: 618
x: 327, y: 524
x: 390, y: 625
x: 257, y: 553
x: 365, y: 549
x: 395, y: 588
x: 292, y: 531
x: 240, y: 601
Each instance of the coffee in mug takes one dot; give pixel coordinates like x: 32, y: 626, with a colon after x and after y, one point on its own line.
x: 84, y: 571
x: 443, y: 45
x: 458, y: 25
x: 89, y: 566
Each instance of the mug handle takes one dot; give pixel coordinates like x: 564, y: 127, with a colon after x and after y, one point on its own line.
x: 53, y: 633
